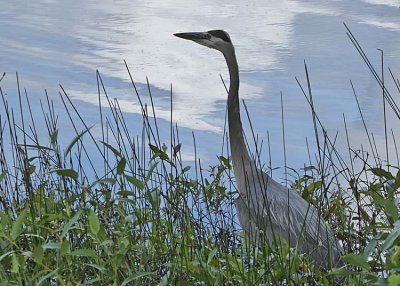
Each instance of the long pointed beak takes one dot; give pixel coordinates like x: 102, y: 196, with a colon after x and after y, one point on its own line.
x: 192, y: 36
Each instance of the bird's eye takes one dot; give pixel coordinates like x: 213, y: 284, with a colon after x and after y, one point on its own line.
x: 220, y: 34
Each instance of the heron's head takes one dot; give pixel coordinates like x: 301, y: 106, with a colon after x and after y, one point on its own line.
x: 215, y: 39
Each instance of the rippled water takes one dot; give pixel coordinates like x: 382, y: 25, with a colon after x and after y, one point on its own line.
x: 52, y: 42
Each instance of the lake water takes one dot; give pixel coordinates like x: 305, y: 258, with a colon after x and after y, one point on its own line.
x: 63, y: 42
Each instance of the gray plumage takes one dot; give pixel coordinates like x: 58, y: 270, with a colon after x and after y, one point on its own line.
x: 266, y: 209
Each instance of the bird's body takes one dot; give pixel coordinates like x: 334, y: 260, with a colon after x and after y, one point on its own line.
x: 266, y: 209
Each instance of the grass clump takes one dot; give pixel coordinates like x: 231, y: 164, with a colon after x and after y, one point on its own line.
x: 141, y: 217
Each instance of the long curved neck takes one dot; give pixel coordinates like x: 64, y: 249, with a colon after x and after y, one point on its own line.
x: 240, y: 155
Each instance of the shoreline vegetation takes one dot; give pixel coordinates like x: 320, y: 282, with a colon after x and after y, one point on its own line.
x: 137, y: 214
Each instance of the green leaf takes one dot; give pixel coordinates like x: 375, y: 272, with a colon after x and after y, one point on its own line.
x: 136, y: 182
x: 84, y: 252
x: 135, y: 277
x: 396, y: 182
x: 314, y: 186
x: 380, y: 282
x: 394, y: 280
x: 94, y: 223
x: 395, y: 257
x: 125, y: 193
x: 153, y: 197
x: 388, y: 206
x: 155, y: 149
x: 52, y: 245
x: 342, y: 272
x: 158, y: 152
x: 382, y: 173
x: 6, y: 254
x: 225, y: 161
x: 53, y: 137
x: 38, y: 253
x: 97, y: 267
x: 211, y: 255
x: 73, y: 142
x: 111, y: 181
x: 356, y: 260
x: 187, y: 168
x: 16, y: 228
x: 369, y: 248
x: 150, y: 172
x: 15, y: 263
x: 177, y: 149
x: 70, y: 173
x: 390, y: 239
x: 3, y: 175
x: 47, y: 276
x: 115, y: 151
x: 65, y: 249
x: 310, y: 168
x: 31, y: 169
x: 38, y: 147
x: 121, y: 166
x: 70, y: 223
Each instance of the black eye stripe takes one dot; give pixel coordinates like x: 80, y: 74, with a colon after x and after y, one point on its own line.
x: 220, y: 34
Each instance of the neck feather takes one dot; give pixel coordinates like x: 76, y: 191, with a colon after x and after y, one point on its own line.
x: 239, y: 153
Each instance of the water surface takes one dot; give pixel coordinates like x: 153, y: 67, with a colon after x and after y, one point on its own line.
x: 64, y: 42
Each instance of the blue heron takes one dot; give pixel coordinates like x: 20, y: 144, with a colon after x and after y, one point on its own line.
x: 267, y: 209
